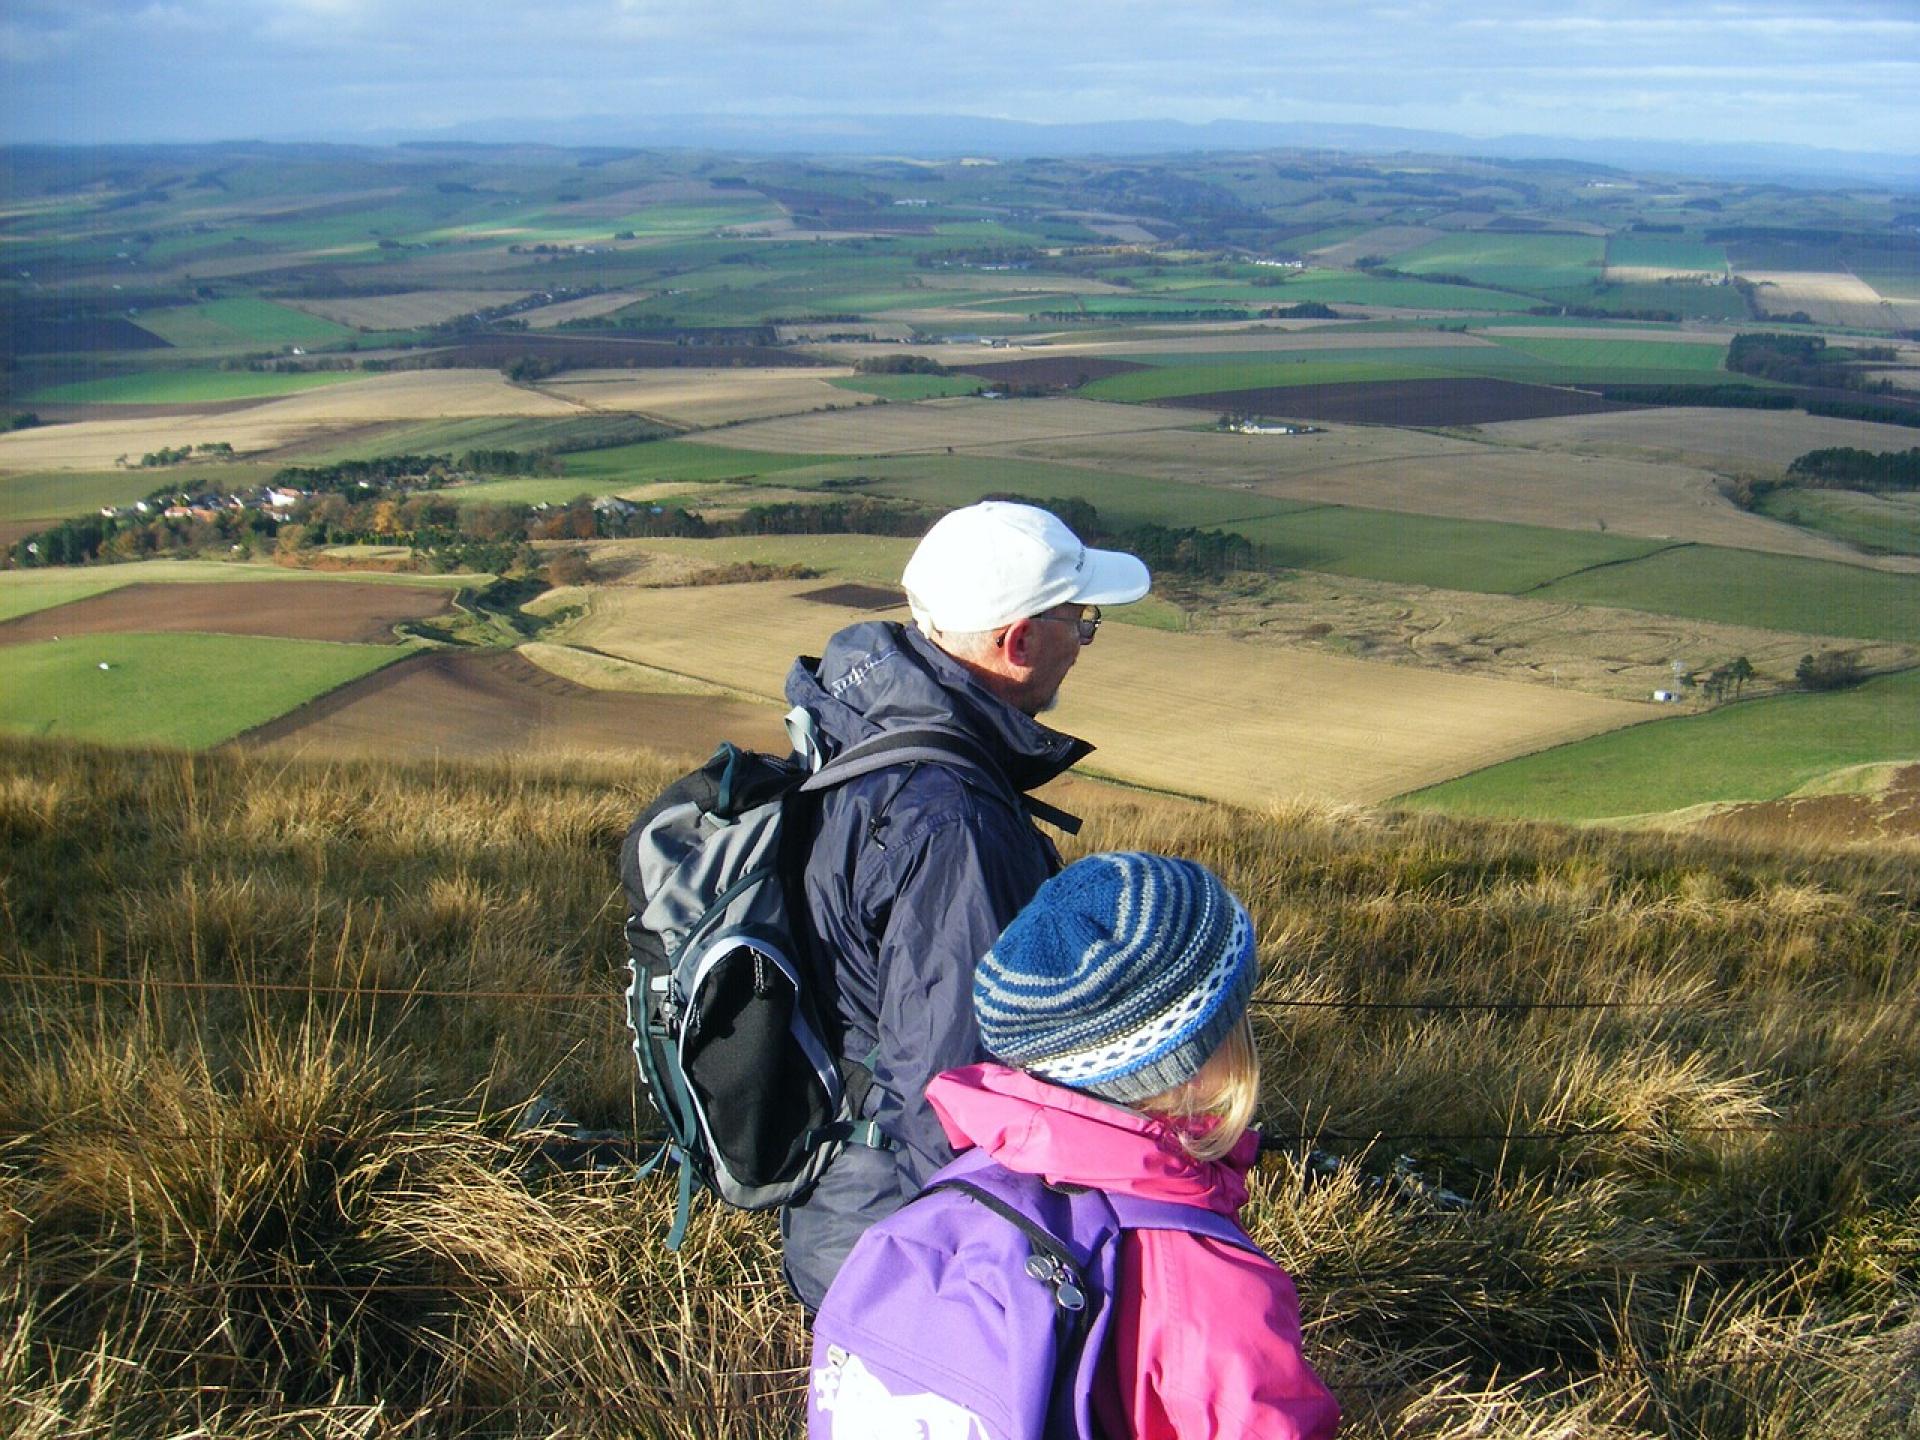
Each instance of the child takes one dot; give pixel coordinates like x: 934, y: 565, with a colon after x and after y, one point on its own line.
x: 1116, y: 1006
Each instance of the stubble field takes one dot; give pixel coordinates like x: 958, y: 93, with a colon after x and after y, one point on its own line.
x: 407, y: 310
x: 1833, y: 298
x: 958, y: 424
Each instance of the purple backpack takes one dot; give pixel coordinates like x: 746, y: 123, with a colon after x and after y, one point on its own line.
x: 978, y: 1311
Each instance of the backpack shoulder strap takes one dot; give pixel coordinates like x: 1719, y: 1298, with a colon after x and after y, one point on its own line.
x: 1137, y: 1213
x: 931, y: 745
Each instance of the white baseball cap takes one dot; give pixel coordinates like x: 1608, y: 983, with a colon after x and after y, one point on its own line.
x: 991, y: 564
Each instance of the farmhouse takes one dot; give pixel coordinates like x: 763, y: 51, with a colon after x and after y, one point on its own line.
x: 1271, y: 427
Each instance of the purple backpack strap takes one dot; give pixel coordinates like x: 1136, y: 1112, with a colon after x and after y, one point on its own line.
x: 1137, y: 1213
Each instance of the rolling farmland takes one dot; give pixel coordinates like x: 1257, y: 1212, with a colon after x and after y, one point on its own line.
x: 1333, y: 728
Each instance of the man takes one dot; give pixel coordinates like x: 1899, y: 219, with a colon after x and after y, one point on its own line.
x: 914, y: 870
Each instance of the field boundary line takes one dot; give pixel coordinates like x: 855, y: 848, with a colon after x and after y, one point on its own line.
x: 1610, y: 564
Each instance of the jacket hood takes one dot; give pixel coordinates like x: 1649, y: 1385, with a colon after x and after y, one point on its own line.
x: 880, y: 675
x: 1037, y: 1128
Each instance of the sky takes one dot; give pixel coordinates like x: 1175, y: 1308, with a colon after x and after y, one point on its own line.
x: 1842, y: 74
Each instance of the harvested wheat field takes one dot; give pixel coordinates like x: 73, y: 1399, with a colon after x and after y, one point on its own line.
x: 100, y: 444
x: 1622, y: 654
x: 1654, y: 274
x: 293, y: 609
x: 706, y: 397
x: 416, y: 395
x: 587, y: 307
x: 1827, y: 298
x: 1754, y: 442
x: 277, y: 423
x: 1196, y: 714
x: 495, y: 704
x: 958, y: 424
x: 1386, y: 469
x: 406, y: 310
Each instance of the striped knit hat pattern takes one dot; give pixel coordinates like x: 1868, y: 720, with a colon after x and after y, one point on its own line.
x: 1120, y: 978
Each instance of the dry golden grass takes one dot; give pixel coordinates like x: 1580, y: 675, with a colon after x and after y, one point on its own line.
x: 1199, y: 714
x: 1606, y: 1136
x: 932, y: 426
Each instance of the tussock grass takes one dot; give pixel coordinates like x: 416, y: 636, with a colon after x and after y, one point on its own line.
x: 1597, y: 1134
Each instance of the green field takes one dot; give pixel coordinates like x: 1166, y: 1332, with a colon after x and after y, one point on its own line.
x: 909, y: 387
x: 1892, y: 284
x: 1541, y: 360
x: 1665, y: 251
x: 1754, y: 750
x: 1536, y: 263
x: 247, y: 323
x: 945, y: 482
x: 187, y: 690
x: 678, y: 460
x: 186, y: 387
x: 455, y: 437
x: 1745, y: 587
x: 1585, y: 359
x: 1687, y: 300
x: 52, y: 495
x: 1879, y: 524
x: 1447, y: 554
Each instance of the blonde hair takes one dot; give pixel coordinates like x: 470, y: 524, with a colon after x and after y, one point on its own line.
x: 1213, y: 1109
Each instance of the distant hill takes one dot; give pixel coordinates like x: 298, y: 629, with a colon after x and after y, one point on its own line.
x: 967, y: 134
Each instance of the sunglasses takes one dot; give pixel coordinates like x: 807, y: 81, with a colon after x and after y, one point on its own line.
x: 1087, y: 622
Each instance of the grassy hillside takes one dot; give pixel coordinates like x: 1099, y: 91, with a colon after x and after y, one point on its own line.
x: 1578, y: 1134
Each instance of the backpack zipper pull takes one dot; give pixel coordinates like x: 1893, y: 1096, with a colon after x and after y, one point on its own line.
x: 1049, y: 1271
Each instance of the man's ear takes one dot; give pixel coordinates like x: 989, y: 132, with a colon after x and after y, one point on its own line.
x: 1017, y: 646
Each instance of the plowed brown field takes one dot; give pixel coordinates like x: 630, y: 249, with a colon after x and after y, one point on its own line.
x: 496, y: 703
x: 292, y: 609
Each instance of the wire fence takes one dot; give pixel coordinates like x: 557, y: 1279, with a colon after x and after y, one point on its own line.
x: 1502, y: 1005
x: 1516, y: 1275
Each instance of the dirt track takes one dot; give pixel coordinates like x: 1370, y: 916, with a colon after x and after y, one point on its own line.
x: 293, y: 609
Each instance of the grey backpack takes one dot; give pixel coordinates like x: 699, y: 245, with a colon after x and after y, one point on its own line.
x: 731, y: 1028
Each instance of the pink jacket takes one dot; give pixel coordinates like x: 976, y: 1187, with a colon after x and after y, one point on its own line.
x: 1206, y: 1337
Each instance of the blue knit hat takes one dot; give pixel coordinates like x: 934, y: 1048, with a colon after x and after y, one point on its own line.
x: 1121, y: 977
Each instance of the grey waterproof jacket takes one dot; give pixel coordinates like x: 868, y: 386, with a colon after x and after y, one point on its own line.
x: 911, y: 874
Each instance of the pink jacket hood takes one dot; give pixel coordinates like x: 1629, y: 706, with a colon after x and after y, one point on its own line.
x: 1037, y: 1128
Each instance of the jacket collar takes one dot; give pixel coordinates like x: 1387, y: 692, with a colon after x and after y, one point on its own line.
x: 880, y: 675
x: 1037, y: 1128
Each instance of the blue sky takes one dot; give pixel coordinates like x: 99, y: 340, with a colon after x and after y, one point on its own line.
x: 1836, y: 73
